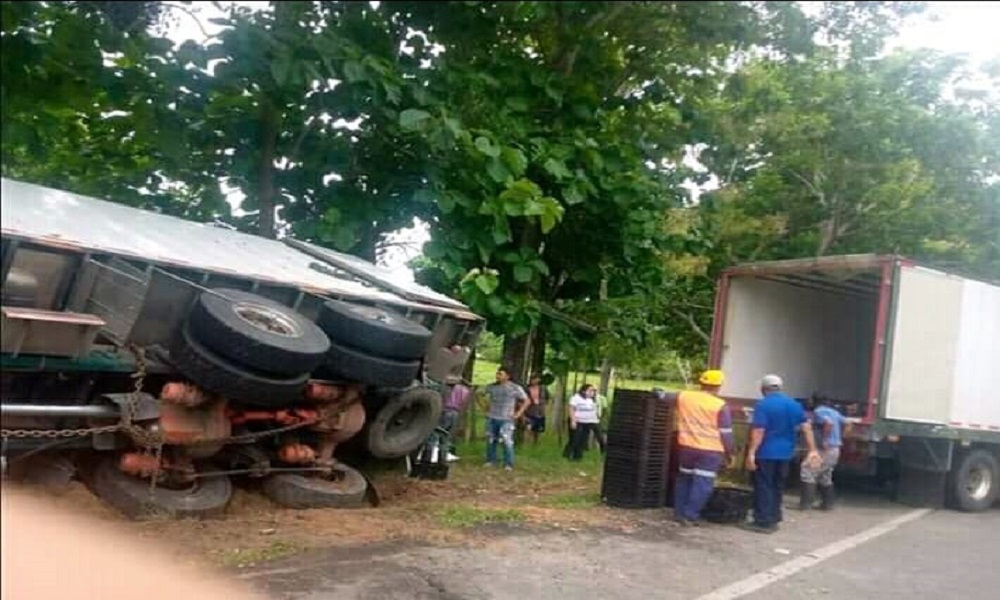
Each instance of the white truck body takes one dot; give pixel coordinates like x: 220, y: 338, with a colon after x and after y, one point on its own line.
x: 944, y: 365
x: 909, y: 353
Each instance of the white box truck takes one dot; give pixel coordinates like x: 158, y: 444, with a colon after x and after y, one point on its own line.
x: 910, y: 354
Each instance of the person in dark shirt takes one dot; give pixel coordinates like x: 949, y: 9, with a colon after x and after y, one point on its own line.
x: 776, y: 420
x: 538, y: 397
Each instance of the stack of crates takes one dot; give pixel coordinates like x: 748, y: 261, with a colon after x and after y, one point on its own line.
x: 637, y: 464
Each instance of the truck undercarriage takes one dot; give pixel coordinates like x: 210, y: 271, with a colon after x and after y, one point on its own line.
x: 157, y: 377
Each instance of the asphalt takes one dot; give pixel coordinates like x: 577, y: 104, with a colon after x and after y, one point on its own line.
x: 851, y: 553
x: 943, y: 555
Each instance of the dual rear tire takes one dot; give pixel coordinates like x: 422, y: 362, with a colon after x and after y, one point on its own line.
x: 258, y: 351
x: 248, y: 348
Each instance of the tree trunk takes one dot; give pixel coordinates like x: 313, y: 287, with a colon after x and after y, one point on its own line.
x: 515, y: 358
x: 470, y: 366
x: 606, y: 368
x: 538, y: 352
x: 558, y: 406
x: 367, y: 246
x: 517, y: 349
x: 269, y: 125
x: 607, y: 372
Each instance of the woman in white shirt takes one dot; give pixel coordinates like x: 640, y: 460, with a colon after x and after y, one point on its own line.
x: 584, y: 418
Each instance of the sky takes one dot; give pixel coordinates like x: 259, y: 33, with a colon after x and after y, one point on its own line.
x: 970, y: 28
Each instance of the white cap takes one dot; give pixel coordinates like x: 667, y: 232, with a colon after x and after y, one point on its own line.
x: 772, y: 380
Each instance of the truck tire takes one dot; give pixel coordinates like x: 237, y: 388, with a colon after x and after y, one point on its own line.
x: 299, y: 491
x: 218, y: 375
x: 974, y: 482
x: 404, y: 422
x: 353, y: 365
x: 257, y: 332
x: 131, y: 496
x: 374, y: 331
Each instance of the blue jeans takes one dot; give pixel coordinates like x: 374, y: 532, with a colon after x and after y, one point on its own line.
x: 449, y: 418
x: 768, y: 484
x: 695, y: 481
x: 500, y: 431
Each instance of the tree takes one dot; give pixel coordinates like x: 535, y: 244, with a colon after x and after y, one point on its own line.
x: 823, y: 155
x: 864, y: 156
x: 552, y: 122
x: 259, y: 110
x: 80, y: 110
x: 541, y: 142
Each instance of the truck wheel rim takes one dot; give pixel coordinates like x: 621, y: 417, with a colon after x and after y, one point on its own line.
x: 267, y: 319
x: 375, y: 314
x: 979, y: 483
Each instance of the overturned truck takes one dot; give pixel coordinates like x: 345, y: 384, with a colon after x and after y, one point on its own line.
x: 156, y: 358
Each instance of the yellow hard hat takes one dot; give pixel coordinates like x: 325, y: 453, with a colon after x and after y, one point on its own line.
x: 711, y: 377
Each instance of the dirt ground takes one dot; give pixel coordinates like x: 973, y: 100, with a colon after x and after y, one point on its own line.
x: 454, y: 511
x: 489, y: 534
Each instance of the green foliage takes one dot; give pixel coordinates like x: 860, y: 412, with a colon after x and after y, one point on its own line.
x: 855, y: 157
x: 489, y: 347
x: 542, y: 142
x: 551, y: 117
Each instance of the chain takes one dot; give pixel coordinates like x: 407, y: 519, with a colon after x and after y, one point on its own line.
x: 151, y: 441
x: 249, y: 438
x: 127, y: 424
x: 124, y: 425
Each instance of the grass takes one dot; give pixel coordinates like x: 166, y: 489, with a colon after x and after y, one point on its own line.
x: 485, y: 372
x: 246, y: 557
x: 575, y: 500
x: 460, y: 516
x: 542, y: 462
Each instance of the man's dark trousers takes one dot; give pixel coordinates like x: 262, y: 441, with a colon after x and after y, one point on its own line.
x: 768, y: 485
x: 695, y: 481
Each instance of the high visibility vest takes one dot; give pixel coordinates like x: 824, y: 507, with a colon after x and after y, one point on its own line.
x: 698, y: 421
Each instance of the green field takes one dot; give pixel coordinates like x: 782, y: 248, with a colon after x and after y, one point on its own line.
x: 485, y: 372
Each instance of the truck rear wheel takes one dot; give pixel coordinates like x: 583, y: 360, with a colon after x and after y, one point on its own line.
x: 350, y: 364
x: 221, y: 376
x: 257, y: 332
x: 374, y: 331
x: 404, y: 422
x: 206, y: 498
x: 347, y: 488
x: 975, y: 481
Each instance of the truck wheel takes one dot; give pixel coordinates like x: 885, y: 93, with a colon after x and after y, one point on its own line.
x: 404, y: 422
x: 257, y: 332
x: 218, y: 375
x: 354, y: 365
x: 207, y: 498
x: 346, y: 489
x: 374, y: 331
x: 975, y: 481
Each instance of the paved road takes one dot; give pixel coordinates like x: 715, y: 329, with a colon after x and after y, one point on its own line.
x: 868, y: 549
x: 942, y: 555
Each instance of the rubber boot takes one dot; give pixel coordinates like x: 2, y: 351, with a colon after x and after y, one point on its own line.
x: 807, y: 496
x: 826, y: 494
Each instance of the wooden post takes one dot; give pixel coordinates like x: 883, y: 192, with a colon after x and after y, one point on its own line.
x: 558, y: 412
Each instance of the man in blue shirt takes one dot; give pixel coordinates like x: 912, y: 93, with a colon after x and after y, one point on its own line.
x: 776, y: 420
x: 829, y: 427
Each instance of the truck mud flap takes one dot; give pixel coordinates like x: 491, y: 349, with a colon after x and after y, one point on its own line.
x: 926, y: 454
x: 923, y: 471
x: 921, y: 489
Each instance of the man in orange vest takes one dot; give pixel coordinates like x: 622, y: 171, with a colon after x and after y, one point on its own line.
x: 705, y: 440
